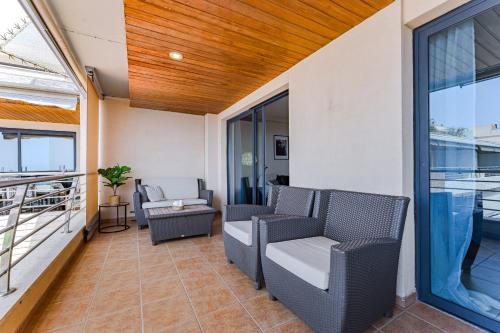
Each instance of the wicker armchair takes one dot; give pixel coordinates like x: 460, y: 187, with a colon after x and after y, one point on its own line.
x: 241, y: 232
x: 338, y: 274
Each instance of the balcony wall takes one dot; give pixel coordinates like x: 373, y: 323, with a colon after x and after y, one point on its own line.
x: 153, y: 143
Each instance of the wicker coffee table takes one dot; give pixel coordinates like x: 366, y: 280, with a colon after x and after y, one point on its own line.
x: 167, y: 223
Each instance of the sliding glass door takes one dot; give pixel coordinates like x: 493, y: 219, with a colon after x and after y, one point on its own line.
x: 250, y: 167
x: 457, y: 83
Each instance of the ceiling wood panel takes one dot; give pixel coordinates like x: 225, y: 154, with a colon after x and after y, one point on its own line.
x: 230, y: 48
x: 19, y: 110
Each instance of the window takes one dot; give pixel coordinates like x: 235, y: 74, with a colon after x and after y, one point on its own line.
x: 37, y: 151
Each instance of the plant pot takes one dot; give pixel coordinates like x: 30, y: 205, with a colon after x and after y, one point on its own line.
x: 114, y: 199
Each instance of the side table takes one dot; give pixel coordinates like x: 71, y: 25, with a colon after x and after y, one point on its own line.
x: 118, y: 227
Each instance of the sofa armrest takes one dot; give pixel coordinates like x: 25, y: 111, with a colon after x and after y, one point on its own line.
x: 207, y: 195
x: 363, y: 266
x: 244, y: 212
x: 282, y: 229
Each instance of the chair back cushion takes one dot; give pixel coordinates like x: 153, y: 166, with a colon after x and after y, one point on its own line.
x: 355, y: 215
x: 295, y: 201
x: 175, y: 187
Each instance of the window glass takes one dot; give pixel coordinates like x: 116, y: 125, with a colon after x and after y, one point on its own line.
x: 47, y: 153
x: 8, y: 151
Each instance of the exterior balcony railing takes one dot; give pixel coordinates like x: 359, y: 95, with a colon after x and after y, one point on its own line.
x: 31, y: 211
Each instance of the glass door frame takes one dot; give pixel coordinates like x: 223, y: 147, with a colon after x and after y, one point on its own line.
x: 254, y: 111
x: 422, y: 158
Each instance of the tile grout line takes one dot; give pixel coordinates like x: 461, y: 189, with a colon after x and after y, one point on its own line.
x: 425, y: 321
x: 238, y: 300
x: 185, y: 290
x: 140, y: 281
x: 94, y: 294
x: 390, y: 320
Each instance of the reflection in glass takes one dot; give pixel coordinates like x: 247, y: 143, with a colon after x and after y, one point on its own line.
x: 8, y: 151
x: 464, y: 137
x: 47, y: 153
x: 240, y: 161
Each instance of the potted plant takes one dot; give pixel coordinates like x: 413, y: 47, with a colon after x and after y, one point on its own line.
x: 114, y: 178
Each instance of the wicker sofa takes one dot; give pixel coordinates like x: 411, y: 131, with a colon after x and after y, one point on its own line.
x: 337, y: 274
x: 241, y: 232
x: 190, y: 190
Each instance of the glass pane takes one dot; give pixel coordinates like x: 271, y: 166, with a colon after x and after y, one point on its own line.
x: 47, y: 153
x: 464, y: 137
x: 259, y: 161
x: 240, y: 161
x: 8, y: 151
x: 277, y: 143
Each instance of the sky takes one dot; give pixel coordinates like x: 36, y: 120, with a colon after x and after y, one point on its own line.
x: 472, y: 105
x: 11, y: 13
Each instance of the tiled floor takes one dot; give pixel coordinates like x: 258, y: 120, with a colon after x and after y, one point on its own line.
x: 121, y: 283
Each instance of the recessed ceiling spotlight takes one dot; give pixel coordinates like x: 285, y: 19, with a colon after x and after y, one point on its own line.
x: 176, y: 55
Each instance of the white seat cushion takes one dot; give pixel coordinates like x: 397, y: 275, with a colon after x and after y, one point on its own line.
x: 168, y: 203
x: 241, y: 230
x: 307, y: 258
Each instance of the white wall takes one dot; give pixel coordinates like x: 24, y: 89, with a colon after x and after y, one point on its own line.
x: 152, y: 143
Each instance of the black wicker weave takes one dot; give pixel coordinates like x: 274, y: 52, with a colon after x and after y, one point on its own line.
x: 283, y: 203
x: 363, y: 267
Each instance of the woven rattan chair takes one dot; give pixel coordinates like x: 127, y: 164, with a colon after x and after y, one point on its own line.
x: 338, y: 274
x: 241, y: 232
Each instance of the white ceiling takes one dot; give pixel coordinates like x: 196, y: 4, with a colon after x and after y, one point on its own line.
x: 95, y: 30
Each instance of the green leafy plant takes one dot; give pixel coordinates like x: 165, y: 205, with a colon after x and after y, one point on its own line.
x: 115, y: 176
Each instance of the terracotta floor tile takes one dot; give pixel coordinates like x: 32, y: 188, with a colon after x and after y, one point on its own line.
x: 384, y: 320
x: 185, y: 266
x: 184, y: 253
x: 231, y: 319
x: 148, y: 249
x: 406, y: 323
x: 111, y: 281
x: 68, y: 291
x: 127, y: 321
x: 160, y: 315
x: 230, y: 273
x: 114, y: 301
x: 267, y: 313
x: 179, y: 244
x: 244, y: 289
x: 120, y: 264
x: 63, y: 314
x: 191, y: 327
x: 211, y: 298
x: 157, y: 272
x: 155, y: 259
x: 292, y: 326
x: 440, y: 319
x: 69, y: 329
x: 200, y: 279
x: 154, y: 290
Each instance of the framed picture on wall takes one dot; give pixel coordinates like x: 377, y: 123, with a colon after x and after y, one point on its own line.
x: 280, y: 147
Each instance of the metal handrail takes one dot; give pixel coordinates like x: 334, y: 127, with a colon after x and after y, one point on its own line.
x: 19, y: 204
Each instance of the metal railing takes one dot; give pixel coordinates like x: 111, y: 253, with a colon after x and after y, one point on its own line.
x: 464, y: 181
x: 22, y: 204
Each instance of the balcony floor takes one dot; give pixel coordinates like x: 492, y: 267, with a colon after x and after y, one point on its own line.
x: 121, y: 283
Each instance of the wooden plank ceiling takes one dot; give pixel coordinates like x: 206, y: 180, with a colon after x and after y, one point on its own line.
x: 19, y: 110
x: 230, y: 47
